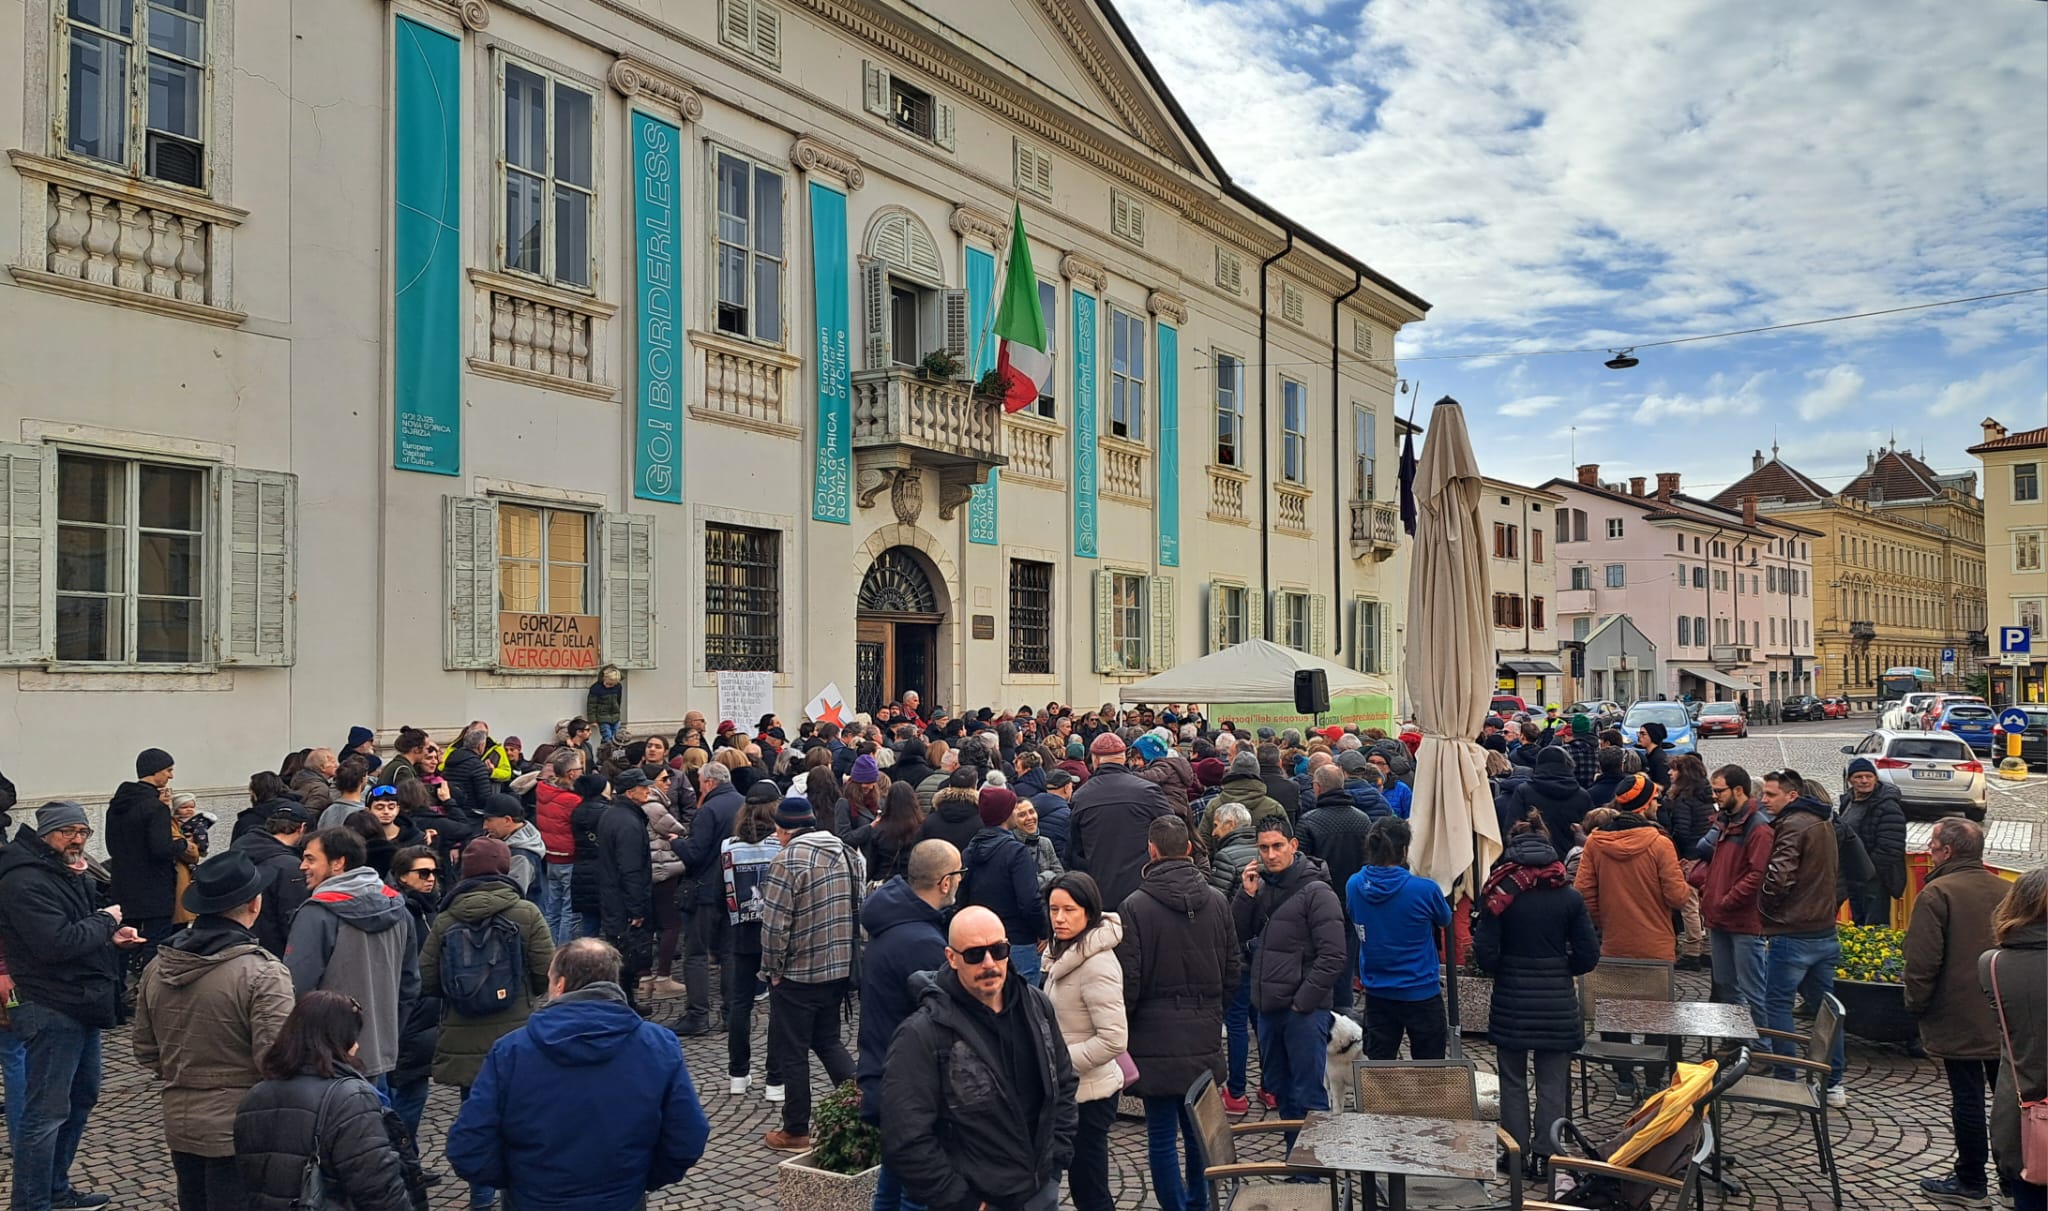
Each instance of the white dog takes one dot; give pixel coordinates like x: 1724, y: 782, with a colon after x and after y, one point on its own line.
x: 1347, y: 1046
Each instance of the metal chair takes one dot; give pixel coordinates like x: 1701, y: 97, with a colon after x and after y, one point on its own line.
x: 1806, y: 1092
x: 1446, y: 1089
x: 1619, y: 980
x: 1217, y: 1137
x: 1673, y: 1165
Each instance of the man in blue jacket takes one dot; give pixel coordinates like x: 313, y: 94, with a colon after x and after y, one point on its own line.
x: 586, y: 1058
x: 1397, y: 914
x: 906, y: 927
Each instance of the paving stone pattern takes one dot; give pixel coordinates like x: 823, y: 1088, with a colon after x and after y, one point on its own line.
x: 1894, y: 1132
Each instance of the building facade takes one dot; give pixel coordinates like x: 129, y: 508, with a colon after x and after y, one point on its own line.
x: 1900, y: 565
x: 1726, y: 596
x: 2016, y: 577
x: 1516, y: 523
x: 393, y: 364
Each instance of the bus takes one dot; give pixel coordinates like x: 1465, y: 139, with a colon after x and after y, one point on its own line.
x: 1899, y: 682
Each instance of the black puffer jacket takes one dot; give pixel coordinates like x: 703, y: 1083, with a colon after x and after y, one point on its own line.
x: 1002, y: 876
x: 583, y: 895
x: 1880, y: 820
x: 1106, y: 832
x: 1688, y: 815
x: 1533, y: 951
x: 1180, y: 958
x: 283, y: 894
x: 469, y: 783
x: 1334, y: 831
x: 957, y: 1138
x: 59, y: 946
x: 142, y: 852
x: 1554, y: 791
x: 274, y: 1137
x: 955, y: 822
x: 625, y: 869
x: 1295, y: 930
x: 420, y: 1032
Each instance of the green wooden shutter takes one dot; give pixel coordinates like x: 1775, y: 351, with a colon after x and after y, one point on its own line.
x: 629, y: 590
x: 24, y: 635
x: 1159, y: 651
x: 1318, y: 624
x: 262, y: 513
x: 1105, y: 623
x: 874, y: 88
x: 1254, y: 613
x: 874, y: 308
x: 470, y: 531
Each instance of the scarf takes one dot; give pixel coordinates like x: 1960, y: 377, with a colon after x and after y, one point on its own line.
x: 1511, y: 879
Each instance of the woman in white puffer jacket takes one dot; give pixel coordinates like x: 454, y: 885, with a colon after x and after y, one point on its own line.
x: 1086, y: 983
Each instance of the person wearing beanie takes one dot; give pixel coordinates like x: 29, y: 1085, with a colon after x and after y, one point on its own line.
x: 1111, y: 813
x: 1552, y: 791
x: 1002, y: 876
x: 481, y: 1007
x: 625, y: 877
x: 1653, y: 739
x: 362, y: 742
x: 865, y: 770
x: 810, y: 910
x: 149, y: 858
x: 1584, y: 750
x: 1242, y: 785
x: 504, y: 820
x: 1157, y: 763
x: 1631, y: 882
x: 1874, y: 812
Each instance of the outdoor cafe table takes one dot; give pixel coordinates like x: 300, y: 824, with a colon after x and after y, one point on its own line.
x: 1399, y: 1146
x: 1678, y: 1020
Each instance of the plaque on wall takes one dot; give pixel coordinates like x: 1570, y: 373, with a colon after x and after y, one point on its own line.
x: 984, y: 626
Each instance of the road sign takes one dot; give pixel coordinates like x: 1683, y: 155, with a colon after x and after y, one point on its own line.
x: 1948, y: 655
x: 2013, y: 719
x: 2015, y: 641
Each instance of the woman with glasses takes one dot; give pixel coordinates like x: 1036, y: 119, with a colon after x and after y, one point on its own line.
x: 1086, y: 983
x: 416, y: 873
x: 314, y: 1104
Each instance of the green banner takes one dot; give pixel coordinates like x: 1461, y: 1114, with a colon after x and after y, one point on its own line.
x: 426, y: 249
x: 1364, y: 710
x: 981, y: 288
x: 832, y: 484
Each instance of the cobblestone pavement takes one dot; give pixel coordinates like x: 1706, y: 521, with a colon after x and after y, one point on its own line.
x: 1894, y: 1132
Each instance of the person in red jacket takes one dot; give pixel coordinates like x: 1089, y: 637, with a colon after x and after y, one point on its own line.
x: 554, y: 797
x: 1729, y: 877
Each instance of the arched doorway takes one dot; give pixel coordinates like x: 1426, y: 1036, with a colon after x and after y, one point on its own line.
x: 896, y: 642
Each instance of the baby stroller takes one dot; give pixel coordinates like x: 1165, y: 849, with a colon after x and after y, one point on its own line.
x: 1661, y: 1149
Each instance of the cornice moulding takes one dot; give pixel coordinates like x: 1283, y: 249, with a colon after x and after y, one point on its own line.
x: 1085, y: 271
x: 632, y: 77
x: 814, y: 155
x: 972, y: 222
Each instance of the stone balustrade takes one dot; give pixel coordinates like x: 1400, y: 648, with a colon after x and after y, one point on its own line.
x: 1226, y: 495
x: 1123, y: 470
x: 1291, y: 508
x: 937, y: 418
x: 1034, y: 450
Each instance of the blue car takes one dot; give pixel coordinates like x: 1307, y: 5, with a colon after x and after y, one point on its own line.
x: 1679, y: 730
x: 1971, y: 721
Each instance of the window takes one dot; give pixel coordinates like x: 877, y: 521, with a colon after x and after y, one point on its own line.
x: 1372, y: 634
x: 549, y: 186
x: 1230, y: 619
x: 2026, y: 482
x: 1049, y: 307
x: 1536, y: 615
x: 1720, y: 581
x: 904, y: 305
x: 1293, y: 431
x: 131, y: 567
x: 1773, y: 629
x: 1507, y: 611
x: 1699, y: 578
x: 2028, y: 613
x: 1684, y: 631
x: 1127, y: 621
x: 1126, y: 375
x: 742, y: 598
x: 1582, y: 577
x: 1695, y: 544
x: 1614, y: 527
x: 910, y: 108
x: 752, y: 28
x: 1030, y: 616
x: 749, y: 249
x: 1230, y: 450
x: 1535, y: 545
x: 1699, y: 631
x: 1581, y: 627
x: 1293, y: 619
x: 1681, y: 544
x: 1365, y: 454
x: 1293, y: 304
x: 1126, y: 217
x: 543, y: 560
x: 2026, y: 551
x: 1229, y: 271
x: 1617, y: 575
x: 1571, y: 525
x: 1504, y: 540
x: 1771, y: 579
x: 115, y: 81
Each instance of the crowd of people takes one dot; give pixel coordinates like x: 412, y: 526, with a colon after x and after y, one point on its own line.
x: 1035, y: 912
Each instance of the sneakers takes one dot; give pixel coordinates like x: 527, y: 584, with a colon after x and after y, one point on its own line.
x: 739, y: 1084
x: 690, y: 1028
x: 665, y: 988
x: 1838, y: 1097
x: 79, y: 1200
x: 1272, y: 1103
x: 783, y: 1141
x: 1625, y: 1093
x: 1950, y: 1190
x: 1234, y: 1103
x: 772, y: 1093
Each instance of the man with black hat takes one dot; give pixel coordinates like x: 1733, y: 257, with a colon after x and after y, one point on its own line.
x: 810, y: 909
x: 62, y: 957
x: 274, y: 850
x: 504, y: 819
x: 625, y: 876
x: 145, y: 849
x: 210, y: 1005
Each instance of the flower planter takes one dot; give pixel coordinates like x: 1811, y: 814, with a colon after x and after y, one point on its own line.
x: 801, y: 1186
x: 1877, y: 1012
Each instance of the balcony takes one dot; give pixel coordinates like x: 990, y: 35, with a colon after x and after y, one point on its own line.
x: 1375, y: 528
x: 906, y: 425
x: 1226, y: 495
x: 1034, y: 449
x: 1728, y: 656
x: 1291, y: 510
x: 1576, y: 601
x: 1862, y: 631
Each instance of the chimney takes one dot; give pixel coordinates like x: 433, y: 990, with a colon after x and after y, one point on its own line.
x: 1992, y: 429
x: 1635, y: 485
x: 1756, y: 461
x: 1667, y: 485
x: 1589, y: 475
x: 1749, y: 510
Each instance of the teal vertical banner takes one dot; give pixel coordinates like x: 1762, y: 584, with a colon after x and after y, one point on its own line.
x: 658, y: 270
x: 426, y: 249
x: 981, y: 292
x: 832, y: 485
x: 1168, y: 505
x: 1085, y: 426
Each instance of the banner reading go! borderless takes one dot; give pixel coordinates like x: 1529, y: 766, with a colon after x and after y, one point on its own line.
x: 981, y: 289
x: 658, y: 269
x: 426, y: 250
x: 832, y: 484
x: 1085, y: 454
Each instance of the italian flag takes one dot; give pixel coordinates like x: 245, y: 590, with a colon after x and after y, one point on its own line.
x: 1022, y: 357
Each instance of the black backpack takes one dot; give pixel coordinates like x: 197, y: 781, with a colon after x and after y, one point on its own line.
x: 483, y: 965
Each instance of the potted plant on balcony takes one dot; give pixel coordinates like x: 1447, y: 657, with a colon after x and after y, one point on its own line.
x: 1869, y: 984
x: 939, y: 364
x: 995, y: 385
x: 839, y: 1172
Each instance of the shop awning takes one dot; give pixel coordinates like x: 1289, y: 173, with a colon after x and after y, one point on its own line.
x: 1532, y: 668
x: 1712, y: 677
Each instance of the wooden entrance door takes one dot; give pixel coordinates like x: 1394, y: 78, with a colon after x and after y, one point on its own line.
x: 892, y: 655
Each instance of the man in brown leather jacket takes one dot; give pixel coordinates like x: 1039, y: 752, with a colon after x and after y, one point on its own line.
x: 1797, y: 906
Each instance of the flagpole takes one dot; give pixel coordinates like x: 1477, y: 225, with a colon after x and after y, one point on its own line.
x: 995, y: 290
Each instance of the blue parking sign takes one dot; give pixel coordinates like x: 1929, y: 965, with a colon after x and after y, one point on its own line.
x: 2015, y: 641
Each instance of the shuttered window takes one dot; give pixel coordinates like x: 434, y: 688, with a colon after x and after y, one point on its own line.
x: 752, y: 28
x: 523, y: 556
x: 131, y: 561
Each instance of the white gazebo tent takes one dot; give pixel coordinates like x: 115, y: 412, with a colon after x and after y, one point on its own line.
x: 1252, y: 671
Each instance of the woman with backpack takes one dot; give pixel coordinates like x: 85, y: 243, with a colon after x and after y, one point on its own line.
x: 487, y: 958
x: 743, y: 861
x: 314, y: 1113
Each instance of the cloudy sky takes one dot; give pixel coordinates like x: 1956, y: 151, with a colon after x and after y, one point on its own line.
x: 1564, y: 173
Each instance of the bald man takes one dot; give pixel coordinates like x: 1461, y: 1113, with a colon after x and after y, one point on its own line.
x: 1005, y: 1151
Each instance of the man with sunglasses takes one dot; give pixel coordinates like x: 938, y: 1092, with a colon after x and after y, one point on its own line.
x: 979, y: 1027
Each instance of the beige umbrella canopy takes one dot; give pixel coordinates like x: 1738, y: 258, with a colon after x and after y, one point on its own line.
x: 1450, y: 660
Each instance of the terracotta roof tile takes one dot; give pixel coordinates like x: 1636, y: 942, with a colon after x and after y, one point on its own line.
x: 1899, y: 475
x: 2026, y: 439
x: 1775, y: 480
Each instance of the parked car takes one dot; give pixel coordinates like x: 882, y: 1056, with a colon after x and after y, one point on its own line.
x: 1678, y: 729
x: 1800, y: 707
x: 1722, y: 719
x: 2033, y: 742
x: 1605, y: 712
x: 1973, y: 721
x: 1935, y: 773
x: 1508, y: 705
x: 1904, y: 715
x: 1940, y: 703
x: 1834, y: 708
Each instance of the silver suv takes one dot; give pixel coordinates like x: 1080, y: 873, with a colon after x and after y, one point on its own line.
x: 1935, y: 773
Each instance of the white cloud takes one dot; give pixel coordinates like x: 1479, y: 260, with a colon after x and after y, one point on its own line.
x: 1530, y: 405
x: 1999, y: 390
x: 1835, y: 389
x: 1721, y: 398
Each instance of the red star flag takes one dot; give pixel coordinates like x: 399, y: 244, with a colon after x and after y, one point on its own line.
x: 828, y: 706
x: 1023, y: 359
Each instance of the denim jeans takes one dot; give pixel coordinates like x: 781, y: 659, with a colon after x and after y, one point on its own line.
x: 1237, y: 1024
x: 480, y: 1197
x: 1739, y: 970
x: 563, y: 921
x: 63, y: 1085
x: 409, y: 1099
x: 1170, y: 1144
x: 14, y: 1086
x: 1024, y: 961
x: 889, y: 1195
x: 1295, y: 1049
x: 1794, y: 958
